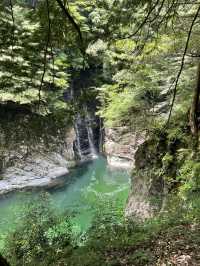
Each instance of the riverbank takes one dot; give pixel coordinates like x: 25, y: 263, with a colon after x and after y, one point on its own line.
x: 46, y: 171
x: 35, y: 172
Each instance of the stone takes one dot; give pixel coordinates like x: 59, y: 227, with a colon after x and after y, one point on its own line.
x: 40, y: 171
x: 147, y: 188
x: 120, y: 146
x: 39, y: 168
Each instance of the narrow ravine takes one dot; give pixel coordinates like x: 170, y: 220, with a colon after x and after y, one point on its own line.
x: 90, y: 185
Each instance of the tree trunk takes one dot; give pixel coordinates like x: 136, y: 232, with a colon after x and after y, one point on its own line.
x: 194, y: 125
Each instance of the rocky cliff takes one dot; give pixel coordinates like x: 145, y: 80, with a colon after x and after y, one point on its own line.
x: 148, y: 184
x: 35, y: 151
x: 129, y: 150
x: 39, y: 169
x: 120, y: 146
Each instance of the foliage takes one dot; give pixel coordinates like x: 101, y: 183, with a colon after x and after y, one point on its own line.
x: 131, y: 243
x: 140, y: 70
x: 35, y: 62
x: 44, y: 238
x: 40, y: 237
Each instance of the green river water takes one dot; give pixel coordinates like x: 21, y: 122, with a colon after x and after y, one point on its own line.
x: 89, y: 185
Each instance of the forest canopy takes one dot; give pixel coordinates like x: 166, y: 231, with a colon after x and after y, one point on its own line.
x: 146, y: 53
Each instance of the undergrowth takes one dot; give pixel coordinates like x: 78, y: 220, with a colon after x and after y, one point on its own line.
x: 44, y: 239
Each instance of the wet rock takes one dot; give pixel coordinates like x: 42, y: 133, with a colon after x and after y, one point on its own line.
x: 68, y: 151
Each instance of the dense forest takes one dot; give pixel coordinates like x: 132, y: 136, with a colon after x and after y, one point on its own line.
x: 82, y: 82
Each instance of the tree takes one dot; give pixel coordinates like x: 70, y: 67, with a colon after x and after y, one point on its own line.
x: 35, y: 54
x: 144, y: 25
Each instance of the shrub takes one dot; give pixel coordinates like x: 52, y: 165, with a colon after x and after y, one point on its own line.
x: 40, y: 237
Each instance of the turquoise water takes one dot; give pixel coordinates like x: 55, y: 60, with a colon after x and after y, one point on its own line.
x: 82, y: 192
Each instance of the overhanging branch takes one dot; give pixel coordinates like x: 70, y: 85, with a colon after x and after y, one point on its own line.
x: 182, y: 63
x: 71, y: 19
x: 13, y: 23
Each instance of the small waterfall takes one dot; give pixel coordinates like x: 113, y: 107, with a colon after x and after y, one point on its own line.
x: 93, y: 149
x: 89, y: 141
x: 87, y: 135
x: 86, y: 124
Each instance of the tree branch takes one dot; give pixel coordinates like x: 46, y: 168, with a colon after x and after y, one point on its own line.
x: 72, y: 20
x: 182, y: 63
x: 143, y: 22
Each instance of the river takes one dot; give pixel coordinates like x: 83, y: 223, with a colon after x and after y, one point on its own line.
x: 84, y: 189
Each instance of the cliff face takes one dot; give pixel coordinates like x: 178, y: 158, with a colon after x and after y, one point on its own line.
x: 129, y: 150
x: 35, y: 151
x: 148, y: 187
x: 38, y: 168
x: 120, y: 146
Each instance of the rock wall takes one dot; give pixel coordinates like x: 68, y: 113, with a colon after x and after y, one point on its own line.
x: 129, y: 150
x: 35, y: 151
x: 38, y: 169
x: 143, y: 156
x: 147, y: 185
x: 120, y: 146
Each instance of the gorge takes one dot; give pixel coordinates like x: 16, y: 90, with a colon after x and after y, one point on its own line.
x: 76, y: 176
x: 99, y: 133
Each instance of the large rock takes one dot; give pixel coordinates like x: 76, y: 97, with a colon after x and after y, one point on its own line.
x: 120, y: 146
x: 147, y: 186
x: 38, y: 169
x: 36, y: 172
x: 145, y: 197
